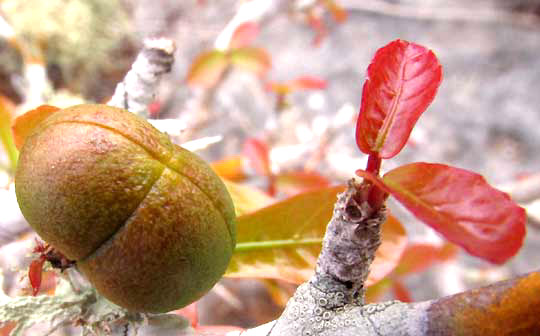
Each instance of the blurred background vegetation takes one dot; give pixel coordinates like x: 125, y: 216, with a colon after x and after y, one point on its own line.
x: 485, y: 117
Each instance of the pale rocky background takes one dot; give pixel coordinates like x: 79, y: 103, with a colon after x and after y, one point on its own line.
x: 485, y: 117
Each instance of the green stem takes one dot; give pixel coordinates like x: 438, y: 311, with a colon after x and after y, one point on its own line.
x: 262, y: 245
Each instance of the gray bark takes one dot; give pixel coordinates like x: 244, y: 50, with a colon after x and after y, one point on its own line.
x: 138, y: 88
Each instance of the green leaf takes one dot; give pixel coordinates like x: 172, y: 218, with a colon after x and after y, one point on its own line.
x: 283, y: 241
x: 207, y: 68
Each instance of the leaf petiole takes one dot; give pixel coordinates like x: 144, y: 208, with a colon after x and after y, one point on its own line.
x: 263, y: 245
x: 374, y: 164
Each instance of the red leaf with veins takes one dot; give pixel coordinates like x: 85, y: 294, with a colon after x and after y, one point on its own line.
x: 402, y: 81
x: 460, y: 205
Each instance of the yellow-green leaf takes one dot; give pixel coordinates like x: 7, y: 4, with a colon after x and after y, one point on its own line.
x: 247, y: 199
x: 252, y: 59
x: 283, y: 241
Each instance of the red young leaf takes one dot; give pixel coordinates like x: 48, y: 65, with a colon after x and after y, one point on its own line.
x: 317, y: 24
x: 460, y: 205
x: 258, y: 154
x: 402, y: 80
x: 244, y: 35
x: 34, y: 274
x: 308, y: 82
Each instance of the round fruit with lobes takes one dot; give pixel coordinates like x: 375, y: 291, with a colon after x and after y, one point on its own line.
x: 148, y: 223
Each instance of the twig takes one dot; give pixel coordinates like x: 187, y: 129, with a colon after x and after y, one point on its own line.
x: 138, y: 88
x: 350, y: 242
x: 443, y: 13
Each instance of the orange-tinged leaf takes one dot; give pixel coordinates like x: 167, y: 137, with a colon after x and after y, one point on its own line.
x: 279, y: 87
x: 26, y: 123
x: 247, y: 199
x: 252, y: 59
x: 7, y: 327
x: 375, y: 291
x: 415, y: 258
x: 244, y: 35
x: 394, y: 242
x: 300, y: 83
x: 190, y: 313
x: 338, y: 12
x: 283, y: 241
x: 402, y: 81
x: 294, y: 182
x: 420, y: 256
x: 279, y: 291
x: 230, y: 168
x: 207, y: 68
x: 401, y: 292
x: 460, y: 205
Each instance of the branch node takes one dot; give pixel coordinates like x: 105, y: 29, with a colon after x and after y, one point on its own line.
x: 351, y: 240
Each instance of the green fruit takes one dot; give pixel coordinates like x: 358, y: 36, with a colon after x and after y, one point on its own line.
x: 148, y: 222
